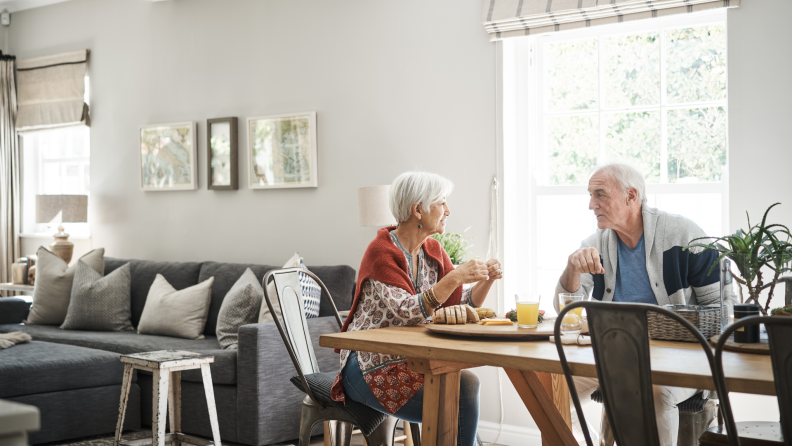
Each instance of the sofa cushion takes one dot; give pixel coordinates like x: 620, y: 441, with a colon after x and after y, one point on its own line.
x: 99, y: 303
x: 179, y: 274
x: 40, y: 367
x: 125, y: 342
x: 181, y: 313
x: 226, y: 275
x: 52, y: 290
x: 240, y: 307
x: 340, y: 281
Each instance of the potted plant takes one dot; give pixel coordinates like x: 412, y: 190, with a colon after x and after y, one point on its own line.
x: 455, y: 245
x: 762, y: 246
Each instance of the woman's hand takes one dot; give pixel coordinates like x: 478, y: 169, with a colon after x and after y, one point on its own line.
x: 471, y: 272
x: 494, y: 269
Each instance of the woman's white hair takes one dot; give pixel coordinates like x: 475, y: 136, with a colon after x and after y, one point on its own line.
x: 423, y: 188
x: 626, y: 176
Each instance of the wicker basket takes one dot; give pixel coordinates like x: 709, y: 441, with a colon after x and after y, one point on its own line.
x: 706, y: 319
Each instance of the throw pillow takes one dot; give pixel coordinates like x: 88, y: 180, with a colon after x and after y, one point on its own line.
x: 240, y: 307
x: 100, y: 303
x: 177, y: 313
x: 311, y: 293
x: 52, y: 290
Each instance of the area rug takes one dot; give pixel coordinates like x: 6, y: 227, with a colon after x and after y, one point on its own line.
x: 108, y: 440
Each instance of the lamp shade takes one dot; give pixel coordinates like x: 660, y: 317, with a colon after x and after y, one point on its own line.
x: 373, y: 208
x: 73, y: 208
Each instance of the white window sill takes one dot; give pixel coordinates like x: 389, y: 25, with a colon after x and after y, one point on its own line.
x: 48, y: 235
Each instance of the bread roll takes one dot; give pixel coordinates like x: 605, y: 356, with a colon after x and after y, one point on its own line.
x: 450, y: 316
x: 472, y: 316
x: 439, y: 316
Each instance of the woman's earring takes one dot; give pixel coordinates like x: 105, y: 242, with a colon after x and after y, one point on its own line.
x: 419, y: 226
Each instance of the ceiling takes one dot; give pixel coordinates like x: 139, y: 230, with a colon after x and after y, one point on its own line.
x: 20, y: 5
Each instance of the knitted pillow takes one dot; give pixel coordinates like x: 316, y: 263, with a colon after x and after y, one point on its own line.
x: 53, y: 285
x: 240, y: 307
x: 100, y: 303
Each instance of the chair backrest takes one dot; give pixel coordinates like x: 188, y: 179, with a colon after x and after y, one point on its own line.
x: 779, y: 332
x: 620, y: 339
x: 294, y: 327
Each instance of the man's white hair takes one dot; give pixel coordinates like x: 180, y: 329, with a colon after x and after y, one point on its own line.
x: 417, y: 187
x: 626, y: 176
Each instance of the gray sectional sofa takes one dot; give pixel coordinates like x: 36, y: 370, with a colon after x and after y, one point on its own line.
x: 255, y: 402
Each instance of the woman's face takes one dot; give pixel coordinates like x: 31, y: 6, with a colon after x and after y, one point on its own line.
x: 436, y: 219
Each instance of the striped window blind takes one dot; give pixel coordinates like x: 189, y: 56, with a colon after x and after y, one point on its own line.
x: 515, y: 18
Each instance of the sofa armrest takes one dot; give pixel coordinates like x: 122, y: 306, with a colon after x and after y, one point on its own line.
x: 267, y: 403
x: 14, y: 310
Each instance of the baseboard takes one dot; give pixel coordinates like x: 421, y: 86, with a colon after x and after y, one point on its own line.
x: 510, y: 435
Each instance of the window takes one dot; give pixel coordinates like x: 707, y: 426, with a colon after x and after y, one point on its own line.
x: 652, y: 93
x: 54, y: 161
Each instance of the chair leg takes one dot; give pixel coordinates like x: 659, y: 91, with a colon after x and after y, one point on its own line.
x: 415, y: 432
x: 308, y: 418
x: 340, y: 433
x: 606, y: 433
x: 384, y: 434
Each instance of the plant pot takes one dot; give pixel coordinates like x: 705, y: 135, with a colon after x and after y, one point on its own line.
x: 783, y: 313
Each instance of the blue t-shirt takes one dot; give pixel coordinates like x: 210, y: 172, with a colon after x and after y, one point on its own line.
x: 632, y: 280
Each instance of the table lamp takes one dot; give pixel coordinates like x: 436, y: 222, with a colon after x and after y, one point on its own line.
x: 373, y: 207
x: 59, y: 209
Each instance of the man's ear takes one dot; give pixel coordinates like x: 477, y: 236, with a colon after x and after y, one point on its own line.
x: 632, y: 194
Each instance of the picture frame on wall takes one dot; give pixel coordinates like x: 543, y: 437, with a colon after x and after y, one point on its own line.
x: 168, y: 157
x: 221, y: 154
x: 282, y: 151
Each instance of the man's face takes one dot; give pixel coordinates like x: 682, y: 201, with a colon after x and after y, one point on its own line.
x: 608, y: 202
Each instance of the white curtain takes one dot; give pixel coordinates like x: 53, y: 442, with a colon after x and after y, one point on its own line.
x: 9, y: 169
x: 515, y: 18
x: 52, y: 91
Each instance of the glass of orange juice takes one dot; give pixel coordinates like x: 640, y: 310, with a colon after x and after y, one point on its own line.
x: 572, y: 322
x: 527, y: 310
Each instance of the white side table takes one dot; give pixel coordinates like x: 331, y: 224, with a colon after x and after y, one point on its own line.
x: 16, y: 420
x: 166, y: 366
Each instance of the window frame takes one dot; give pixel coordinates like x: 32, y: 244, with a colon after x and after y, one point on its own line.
x: 525, y: 136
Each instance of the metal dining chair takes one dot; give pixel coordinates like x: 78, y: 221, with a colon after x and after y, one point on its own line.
x: 779, y: 333
x: 620, y: 339
x: 378, y: 429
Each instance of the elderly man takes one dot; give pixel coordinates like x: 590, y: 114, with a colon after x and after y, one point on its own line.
x: 637, y: 255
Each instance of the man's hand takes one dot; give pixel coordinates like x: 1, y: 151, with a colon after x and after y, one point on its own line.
x: 585, y: 260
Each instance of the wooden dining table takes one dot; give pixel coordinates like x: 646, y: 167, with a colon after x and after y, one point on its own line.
x: 535, y: 371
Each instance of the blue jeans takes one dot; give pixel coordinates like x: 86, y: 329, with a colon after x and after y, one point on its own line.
x: 355, y: 388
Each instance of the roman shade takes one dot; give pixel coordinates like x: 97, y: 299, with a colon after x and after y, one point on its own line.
x: 516, y: 18
x: 51, y: 91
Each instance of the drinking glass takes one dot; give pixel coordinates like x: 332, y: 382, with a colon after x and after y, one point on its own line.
x: 572, y: 322
x: 527, y: 310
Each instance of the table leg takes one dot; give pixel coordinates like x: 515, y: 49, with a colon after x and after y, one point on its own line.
x: 126, y: 383
x: 174, y: 405
x: 159, y: 406
x: 210, y: 402
x: 555, y: 430
x: 440, y: 420
x: 555, y: 385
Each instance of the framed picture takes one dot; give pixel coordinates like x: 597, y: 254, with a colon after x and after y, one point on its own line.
x: 168, y: 157
x: 282, y: 151
x: 221, y: 153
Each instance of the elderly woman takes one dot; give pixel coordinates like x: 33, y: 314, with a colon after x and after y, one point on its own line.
x: 404, y: 277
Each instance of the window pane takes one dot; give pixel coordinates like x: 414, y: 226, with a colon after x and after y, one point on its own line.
x: 704, y: 209
x: 632, y: 70
x: 562, y: 222
x: 696, y: 144
x: 696, y: 64
x: 635, y: 138
x: 572, y: 75
x: 573, y: 148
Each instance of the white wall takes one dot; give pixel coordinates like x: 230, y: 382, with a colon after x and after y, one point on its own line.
x: 760, y: 148
x: 397, y: 85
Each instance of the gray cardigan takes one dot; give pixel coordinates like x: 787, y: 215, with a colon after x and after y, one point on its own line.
x: 679, y: 276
